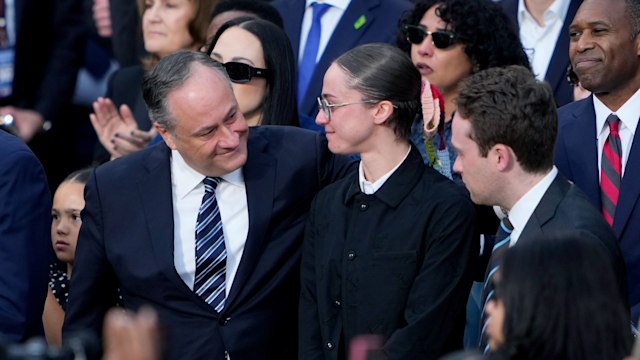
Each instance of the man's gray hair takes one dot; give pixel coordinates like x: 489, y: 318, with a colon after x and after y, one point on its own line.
x: 171, y: 72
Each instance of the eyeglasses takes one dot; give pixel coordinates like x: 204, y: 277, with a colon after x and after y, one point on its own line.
x: 326, y: 107
x: 416, y: 35
x: 241, y: 73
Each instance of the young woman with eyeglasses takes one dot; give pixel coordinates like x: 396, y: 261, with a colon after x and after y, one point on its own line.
x: 260, y: 63
x: 388, y: 250
x: 120, y: 118
x: 449, y: 40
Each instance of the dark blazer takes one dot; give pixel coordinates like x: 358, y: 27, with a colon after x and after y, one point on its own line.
x: 48, y: 54
x: 125, y: 87
x: 397, y: 263
x: 564, y: 207
x: 381, y: 25
x: 577, y: 158
x: 25, y: 249
x: 557, y: 71
x: 127, y: 236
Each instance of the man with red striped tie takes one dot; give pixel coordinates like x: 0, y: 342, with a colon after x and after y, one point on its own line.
x: 596, y: 147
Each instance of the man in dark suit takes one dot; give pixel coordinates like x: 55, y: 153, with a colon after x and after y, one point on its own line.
x: 550, y: 41
x: 604, y: 53
x: 140, y: 232
x: 25, y: 248
x: 504, y: 132
x: 355, y: 22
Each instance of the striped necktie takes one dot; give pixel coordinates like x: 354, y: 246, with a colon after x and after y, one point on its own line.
x: 611, y: 169
x: 211, y: 255
x: 500, y: 247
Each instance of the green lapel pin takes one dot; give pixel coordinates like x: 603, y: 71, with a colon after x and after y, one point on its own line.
x: 358, y: 24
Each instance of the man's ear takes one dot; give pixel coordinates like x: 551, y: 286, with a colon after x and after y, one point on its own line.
x: 383, y: 111
x: 167, y: 136
x: 503, y: 157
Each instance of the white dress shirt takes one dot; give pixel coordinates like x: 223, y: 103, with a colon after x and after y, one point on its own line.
x: 367, y: 186
x: 629, y: 113
x: 538, y: 41
x: 187, y: 192
x: 523, y: 209
x: 329, y: 22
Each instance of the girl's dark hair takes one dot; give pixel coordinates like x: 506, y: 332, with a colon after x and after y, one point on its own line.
x: 79, y: 176
x: 562, y: 300
x: 384, y: 72
x: 280, y: 106
x: 260, y: 9
x: 486, y: 32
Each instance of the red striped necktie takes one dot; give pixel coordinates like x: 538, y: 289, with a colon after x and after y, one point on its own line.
x: 611, y: 170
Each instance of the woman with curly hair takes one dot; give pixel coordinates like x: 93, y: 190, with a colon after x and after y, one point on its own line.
x: 449, y: 40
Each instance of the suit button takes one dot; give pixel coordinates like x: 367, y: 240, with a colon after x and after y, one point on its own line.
x: 337, y: 303
x: 351, y: 255
x: 364, y: 206
x: 329, y: 346
x: 226, y: 320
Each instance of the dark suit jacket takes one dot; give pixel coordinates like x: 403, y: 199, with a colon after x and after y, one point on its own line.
x: 397, y: 263
x: 126, y: 241
x: 125, y: 87
x: 48, y: 54
x: 381, y: 26
x: 577, y: 158
x: 25, y: 240
x: 557, y: 70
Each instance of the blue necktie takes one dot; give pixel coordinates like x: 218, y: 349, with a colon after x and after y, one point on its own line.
x: 503, y: 237
x: 308, y: 61
x: 211, y: 255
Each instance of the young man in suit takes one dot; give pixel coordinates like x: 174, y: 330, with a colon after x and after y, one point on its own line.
x: 544, y: 31
x: 219, y: 263
x: 504, y: 133
x: 605, y: 53
x: 345, y: 24
x: 25, y: 248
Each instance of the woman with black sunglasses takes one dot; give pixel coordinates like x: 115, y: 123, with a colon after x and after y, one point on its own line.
x: 260, y: 63
x: 449, y: 40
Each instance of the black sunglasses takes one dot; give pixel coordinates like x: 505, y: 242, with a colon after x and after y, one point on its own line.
x: 241, y: 73
x: 416, y: 35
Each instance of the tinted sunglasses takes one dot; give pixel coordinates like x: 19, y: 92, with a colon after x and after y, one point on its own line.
x: 416, y: 35
x: 241, y: 73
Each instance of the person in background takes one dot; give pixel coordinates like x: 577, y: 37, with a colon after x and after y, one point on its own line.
x: 448, y: 40
x: 120, y: 118
x: 320, y: 31
x: 597, y: 146
x: 260, y: 63
x: 543, y: 27
x: 389, y: 249
x: 556, y: 297
x: 68, y: 202
x: 25, y: 249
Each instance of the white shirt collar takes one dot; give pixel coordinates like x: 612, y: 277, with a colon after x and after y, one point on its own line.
x: 185, y: 178
x: 523, y: 209
x: 628, y: 114
x: 368, y: 187
x: 340, y: 4
x: 557, y: 11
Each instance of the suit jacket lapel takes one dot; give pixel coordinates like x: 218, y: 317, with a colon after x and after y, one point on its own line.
x: 344, y: 37
x: 582, y: 146
x: 294, y: 10
x: 157, y: 203
x: 557, y: 70
x: 546, y: 208
x: 629, y: 189
x: 259, y: 176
